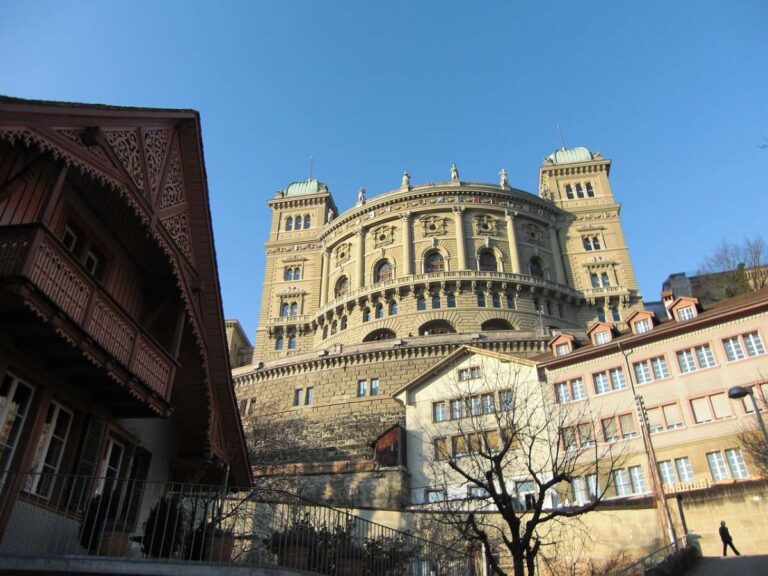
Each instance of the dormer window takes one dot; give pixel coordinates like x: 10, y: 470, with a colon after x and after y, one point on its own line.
x: 562, y: 349
x: 687, y: 313
x: 602, y: 337
x: 643, y: 326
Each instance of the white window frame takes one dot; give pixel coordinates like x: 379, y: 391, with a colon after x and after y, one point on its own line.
x: 602, y: 337
x: 41, y: 467
x: 105, y: 468
x: 736, y: 463
x: 667, y: 472
x: 439, y: 412
x: 362, y: 388
x: 8, y: 419
x: 643, y: 325
x: 717, y: 466
x: 684, y: 469
x: 685, y: 314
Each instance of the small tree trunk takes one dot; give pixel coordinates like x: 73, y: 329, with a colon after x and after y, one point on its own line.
x: 519, y: 565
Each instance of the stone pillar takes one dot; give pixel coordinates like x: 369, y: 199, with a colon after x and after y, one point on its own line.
x: 461, y: 249
x: 407, y: 268
x: 556, y: 255
x: 360, y: 255
x: 514, y: 256
x: 325, y: 272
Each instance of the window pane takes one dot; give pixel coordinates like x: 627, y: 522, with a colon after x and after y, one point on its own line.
x: 684, y: 469
x: 627, y: 424
x: 457, y: 409
x: 621, y: 481
x: 717, y: 466
x: 362, y: 386
x: 601, y: 383
x: 733, y: 349
x: 309, y: 395
x: 660, y: 369
x: 374, y: 386
x: 701, y: 411
x: 685, y: 360
x: 673, y: 416
x: 638, y: 479
x: 617, y: 379
x: 667, y: 472
x: 586, y: 435
x: 754, y: 344
x: 577, y: 386
x: 438, y: 411
x: 655, y: 420
x: 736, y: 463
x: 705, y: 356
x: 562, y: 392
x: 610, y: 432
x: 720, y: 406
x: 642, y: 373
x: 441, y: 448
x: 579, y: 486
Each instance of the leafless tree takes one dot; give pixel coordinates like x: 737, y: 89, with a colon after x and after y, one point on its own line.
x: 754, y: 443
x: 510, y: 460
x: 740, y: 267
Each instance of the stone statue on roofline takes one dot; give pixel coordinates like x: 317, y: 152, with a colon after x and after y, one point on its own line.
x: 406, y: 183
x: 331, y: 214
x: 454, y: 173
x: 361, y: 196
x: 503, y: 180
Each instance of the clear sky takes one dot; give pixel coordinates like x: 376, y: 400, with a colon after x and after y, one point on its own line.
x: 675, y: 93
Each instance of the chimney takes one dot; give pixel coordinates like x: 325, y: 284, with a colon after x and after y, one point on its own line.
x: 668, y: 298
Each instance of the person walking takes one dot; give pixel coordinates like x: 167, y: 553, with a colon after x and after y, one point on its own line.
x: 725, y: 536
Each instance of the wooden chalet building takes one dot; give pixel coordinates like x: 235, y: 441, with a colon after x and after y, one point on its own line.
x: 113, y: 356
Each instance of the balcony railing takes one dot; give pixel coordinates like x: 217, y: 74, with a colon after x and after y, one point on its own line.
x: 54, y: 516
x: 33, y: 253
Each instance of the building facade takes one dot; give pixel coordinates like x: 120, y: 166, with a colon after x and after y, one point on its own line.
x: 356, y: 304
x: 113, y: 353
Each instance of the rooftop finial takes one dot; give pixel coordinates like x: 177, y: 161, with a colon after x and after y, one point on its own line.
x: 562, y: 140
x: 311, y: 161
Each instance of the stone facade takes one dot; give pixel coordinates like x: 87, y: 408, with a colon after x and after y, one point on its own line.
x: 384, y: 290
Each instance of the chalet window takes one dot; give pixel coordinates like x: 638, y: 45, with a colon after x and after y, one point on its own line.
x: 110, y: 466
x: 15, y: 398
x: 69, y: 239
x: 50, y: 449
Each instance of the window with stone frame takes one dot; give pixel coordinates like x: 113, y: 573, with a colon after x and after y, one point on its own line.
x: 383, y: 271
x: 433, y: 262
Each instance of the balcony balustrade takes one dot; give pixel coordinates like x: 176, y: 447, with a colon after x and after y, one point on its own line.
x: 33, y: 254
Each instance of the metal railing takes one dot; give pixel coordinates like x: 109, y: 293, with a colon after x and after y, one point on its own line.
x: 66, y: 515
x: 655, y: 558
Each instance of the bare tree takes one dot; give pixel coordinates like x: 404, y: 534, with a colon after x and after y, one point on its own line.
x: 738, y: 268
x: 511, y: 460
x: 754, y: 443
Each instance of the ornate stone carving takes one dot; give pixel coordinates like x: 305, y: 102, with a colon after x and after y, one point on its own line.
x: 383, y: 235
x: 485, y: 224
x: 178, y: 228
x: 342, y: 252
x: 173, y: 187
x: 155, y: 146
x: 533, y: 234
x: 125, y: 145
x: 434, y: 225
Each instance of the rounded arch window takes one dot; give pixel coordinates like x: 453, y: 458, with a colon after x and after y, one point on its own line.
x: 451, y: 300
x: 381, y: 334
x: 325, y: 332
x: 496, y: 324
x: 421, y: 303
x: 615, y: 316
x: 366, y: 314
x: 495, y: 300
x: 487, y: 261
x: 297, y: 223
x: 343, y: 323
x: 307, y: 221
x: 342, y: 287
x: 434, y: 262
x: 291, y: 340
x: 379, y: 311
x: 601, y: 314
x: 279, y: 340
x: 535, y: 267
x: 297, y: 273
x: 285, y: 309
x: 383, y: 271
x: 294, y: 309
x: 437, y: 327
x: 392, y: 308
x: 289, y: 224
x: 288, y: 274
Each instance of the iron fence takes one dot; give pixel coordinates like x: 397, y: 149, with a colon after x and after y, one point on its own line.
x: 67, y: 515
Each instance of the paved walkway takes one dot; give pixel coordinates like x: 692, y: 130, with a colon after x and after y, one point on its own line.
x: 731, y: 566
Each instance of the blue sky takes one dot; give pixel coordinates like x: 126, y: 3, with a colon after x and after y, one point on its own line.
x: 676, y: 93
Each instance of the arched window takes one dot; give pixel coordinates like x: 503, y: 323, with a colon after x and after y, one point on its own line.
x: 294, y: 309
x: 590, y: 190
x: 595, y: 280
x: 366, y: 314
x: 279, y: 340
x: 569, y: 191
x: 433, y: 262
x: 615, y: 314
x: 587, y: 243
x: 435, y: 301
x: 510, y: 301
x: 289, y: 224
x: 392, y: 308
x: 487, y: 261
x: 595, y: 243
x: 285, y: 310
x: 579, y: 191
x: 291, y: 340
x: 496, y: 324
x: 536, y: 305
x: 342, y: 287
x: 381, y: 334
x: 297, y: 224
x: 560, y: 310
x: 379, y: 311
x: 383, y: 271
x: 307, y: 221
x: 549, y: 308
x: 451, y: 300
x: 481, y: 299
x: 495, y: 300
x: 343, y: 322
x: 535, y: 268
x: 421, y: 303
x: 334, y: 327
x: 436, y: 327
x: 297, y: 273
x: 600, y: 314
x: 604, y: 279
x: 325, y: 331
x: 288, y: 274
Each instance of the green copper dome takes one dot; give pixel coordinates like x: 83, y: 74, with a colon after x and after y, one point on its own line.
x: 570, y: 156
x: 305, y: 188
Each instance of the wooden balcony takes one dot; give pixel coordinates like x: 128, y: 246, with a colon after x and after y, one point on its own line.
x: 33, y: 255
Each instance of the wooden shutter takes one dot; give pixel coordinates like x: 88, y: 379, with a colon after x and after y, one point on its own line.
x: 136, y: 484
x: 90, y: 451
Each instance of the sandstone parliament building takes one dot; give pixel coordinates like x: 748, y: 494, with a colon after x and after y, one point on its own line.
x: 356, y: 304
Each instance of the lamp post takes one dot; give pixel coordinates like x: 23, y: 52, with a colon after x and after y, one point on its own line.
x: 741, y: 391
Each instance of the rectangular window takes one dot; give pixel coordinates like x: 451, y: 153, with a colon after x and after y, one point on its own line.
x: 607, y: 381
x: 433, y: 496
x: 643, y: 326
x: 442, y: 449
x: 617, y: 379
x: 684, y: 469
x: 701, y: 410
x: 477, y: 492
x: 642, y: 372
x: 569, y: 438
x: 627, y: 424
x: 362, y: 388
x: 704, y: 356
x: 50, y: 449
x: 469, y: 373
x: 562, y: 393
x: 672, y: 416
x: 15, y: 399
x: 309, y: 396
x: 601, y: 383
x: 579, y: 487
x: 110, y: 467
x: 637, y: 478
x: 577, y: 388
x: 298, y: 394
x: 487, y: 404
x: 526, y: 494
x: 685, y: 313
x: 754, y: 344
x: 610, y: 430
x: 659, y: 366
x: 735, y: 346
x: 602, y: 337
x: 655, y: 420
x: 506, y: 400
x: 586, y: 435
x: 695, y: 358
x: 736, y: 463
x: 622, y: 483
x: 685, y: 361
x: 667, y: 472
x: 460, y: 445
x: 91, y: 263
x: 733, y: 349
x: 717, y: 466
x: 562, y: 349
x: 721, y: 406
x: 593, y: 487
x: 457, y: 409
x: 438, y: 412
x: 374, y: 386
x: 69, y: 239
x: 475, y: 406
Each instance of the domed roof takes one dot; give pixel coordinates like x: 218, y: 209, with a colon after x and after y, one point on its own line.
x: 569, y: 156
x: 310, y: 186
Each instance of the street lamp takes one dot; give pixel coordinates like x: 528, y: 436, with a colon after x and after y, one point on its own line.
x: 741, y: 391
